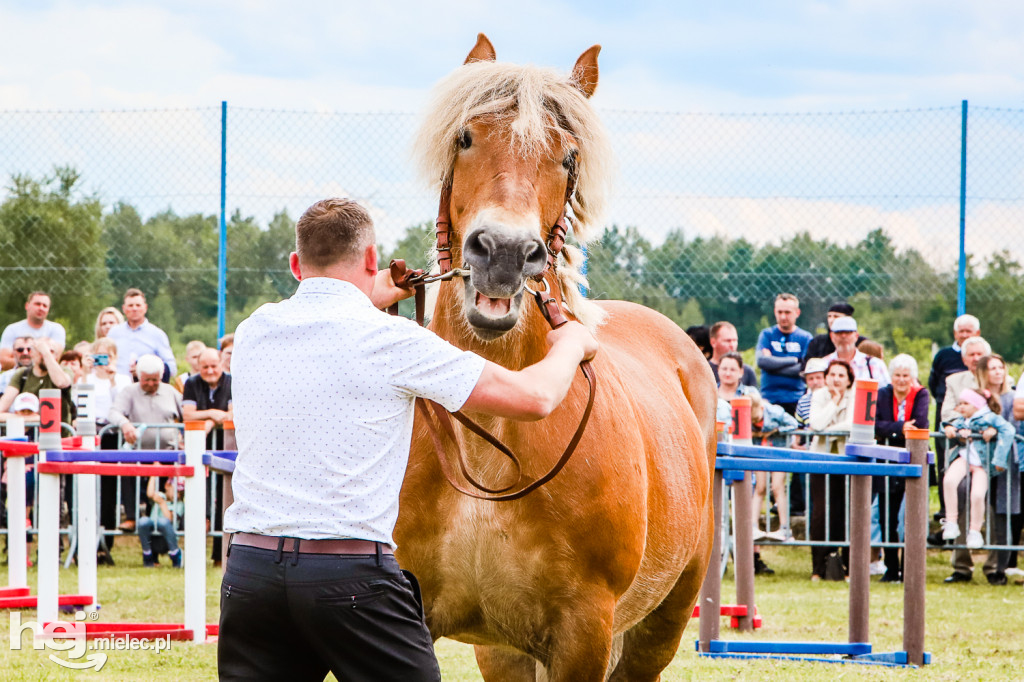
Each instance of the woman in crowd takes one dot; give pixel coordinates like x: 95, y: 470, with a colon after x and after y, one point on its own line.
x: 902, y: 405
x: 832, y: 414
x: 108, y: 318
x: 1004, y: 496
x: 106, y: 383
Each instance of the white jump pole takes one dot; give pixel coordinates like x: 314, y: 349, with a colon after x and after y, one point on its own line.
x: 49, y: 509
x: 195, y: 532
x: 87, y: 484
x: 17, y: 552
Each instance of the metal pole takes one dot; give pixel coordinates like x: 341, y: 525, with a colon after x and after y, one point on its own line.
x: 915, y: 549
x: 961, y: 279
x: 711, y: 590
x: 222, y: 260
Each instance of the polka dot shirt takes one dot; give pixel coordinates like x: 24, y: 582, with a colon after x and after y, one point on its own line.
x: 323, y: 388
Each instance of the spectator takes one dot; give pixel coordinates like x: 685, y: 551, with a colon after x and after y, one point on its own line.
x: 700, y: 335
x: 1004, y: 492
x: 821, y: 345
x: 780, y: 352
x: 769, y: 423
x: 26, y: 406
x: 972, y: 350
x: 831, y: 412
x: 227, y: 347
x: 902, y: 405
x: 814, y: 377
x: 192, y: 350
x: 167, y: 507
x: 147, y: 402
x: 968, y: 457
x: 84, y: 350
x: 724, y: 339
x: 108, y: 318
x: 208, y: 394
x: 137, y: 336
x: 35, y: 324
x: 45, y: 372
x: 844, y: 336
x: 22, y: 358
x: 71, y: 361
x: 948, y: 361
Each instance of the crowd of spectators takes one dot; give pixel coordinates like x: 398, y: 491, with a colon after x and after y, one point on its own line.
x: 811, y: 378
x: 135, y: 387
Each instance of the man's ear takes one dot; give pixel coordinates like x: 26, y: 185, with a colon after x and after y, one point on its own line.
x: 293, y: 263
x: 370, y: 259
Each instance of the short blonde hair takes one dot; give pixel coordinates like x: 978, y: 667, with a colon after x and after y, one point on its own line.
x: 112, y: 310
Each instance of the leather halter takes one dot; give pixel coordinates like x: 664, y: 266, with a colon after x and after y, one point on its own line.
x: 549, y: 306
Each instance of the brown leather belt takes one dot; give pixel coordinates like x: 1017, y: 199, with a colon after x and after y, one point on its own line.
x: 310, y: 546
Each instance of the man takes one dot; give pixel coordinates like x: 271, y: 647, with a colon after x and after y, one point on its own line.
x: 972, y: 349
x: 821, y: 345
x: 724, y: 339
x: 780, y: 353
x: 137, y: 336
x: 207, y: 395
x: 44, y: 372
x: 844, y: 337
x: 192, y: 351
x: 22, y: 358
x: 149, y: 401
x: 946, y: 362
x: 35, y: 325
x: 323, y: 446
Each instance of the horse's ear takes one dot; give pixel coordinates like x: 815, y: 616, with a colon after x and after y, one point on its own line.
x: 483, y: 51
x: 584, y: 74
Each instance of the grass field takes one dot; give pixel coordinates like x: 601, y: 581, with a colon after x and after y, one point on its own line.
x: 975, y: 631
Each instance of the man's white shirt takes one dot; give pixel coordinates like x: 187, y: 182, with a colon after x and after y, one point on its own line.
x: 323, y: 391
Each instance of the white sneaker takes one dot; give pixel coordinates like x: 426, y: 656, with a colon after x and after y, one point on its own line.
x: 759, y: 534
x: 780, y: 535
x: 950, y: 530
x: 1015, y: 572
x: 974, y: 539
x: 877, y: 568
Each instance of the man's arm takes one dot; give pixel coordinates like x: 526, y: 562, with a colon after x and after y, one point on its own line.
x: 166, y: 354
x: 9, y: 394
x: 57, y: 374
x: 948, y: 409
x: 534, y: 392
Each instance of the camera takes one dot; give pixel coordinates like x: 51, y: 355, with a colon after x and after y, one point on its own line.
x: 102, y: 360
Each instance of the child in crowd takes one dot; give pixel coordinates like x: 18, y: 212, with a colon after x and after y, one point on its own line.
x: 769, y: 424
x: 161, y: 518
x: 979, y: 412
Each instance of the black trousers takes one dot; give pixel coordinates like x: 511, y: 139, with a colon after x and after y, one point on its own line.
x: 888, y: 517
x: 835, y: 519
x: 296, y: 616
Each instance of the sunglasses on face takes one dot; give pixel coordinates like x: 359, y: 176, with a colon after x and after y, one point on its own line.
x: 26, y: 349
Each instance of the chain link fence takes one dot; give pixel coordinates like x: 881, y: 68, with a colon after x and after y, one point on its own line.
x: 713, y: 213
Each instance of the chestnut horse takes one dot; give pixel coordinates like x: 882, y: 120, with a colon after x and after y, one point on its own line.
x: 595, y: 574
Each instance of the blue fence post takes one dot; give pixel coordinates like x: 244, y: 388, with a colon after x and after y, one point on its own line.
x: 961, y: 278
x: 222, y: 259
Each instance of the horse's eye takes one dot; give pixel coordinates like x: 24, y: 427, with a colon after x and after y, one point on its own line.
x: 569, y: 162
x: 465, y: 140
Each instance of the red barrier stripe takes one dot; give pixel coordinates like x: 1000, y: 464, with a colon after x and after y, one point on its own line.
x: 114, y: 469
x: 17, y: 448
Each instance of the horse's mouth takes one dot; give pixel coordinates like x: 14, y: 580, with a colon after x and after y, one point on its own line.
x: 489, y: 316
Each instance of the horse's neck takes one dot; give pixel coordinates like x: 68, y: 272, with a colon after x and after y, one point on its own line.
x: 519, y: 348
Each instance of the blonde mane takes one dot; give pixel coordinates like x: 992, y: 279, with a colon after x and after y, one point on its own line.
x: 529, y: 100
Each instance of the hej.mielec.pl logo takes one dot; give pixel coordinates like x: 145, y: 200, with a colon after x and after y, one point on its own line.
x: 70, y: 637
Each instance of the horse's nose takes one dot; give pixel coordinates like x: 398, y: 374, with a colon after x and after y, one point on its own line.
x: 504, y: 254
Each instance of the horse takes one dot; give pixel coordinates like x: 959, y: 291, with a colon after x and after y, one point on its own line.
x: 594, y: 575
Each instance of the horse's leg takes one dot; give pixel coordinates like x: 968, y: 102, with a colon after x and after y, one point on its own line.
x: 650, y: 645
x: 502, y: 663
x: 581, y: 639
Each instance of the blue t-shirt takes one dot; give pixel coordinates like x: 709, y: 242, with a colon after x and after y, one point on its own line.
x: 777, y: 388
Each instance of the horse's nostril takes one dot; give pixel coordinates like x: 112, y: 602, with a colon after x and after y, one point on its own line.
x: 536, y: 257
x: 479, y: 247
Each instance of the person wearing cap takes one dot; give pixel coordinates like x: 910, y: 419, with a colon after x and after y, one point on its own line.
x: 25, y: 405
x: 902, y: 405
x: 814, y: 376
x: 821, y: 345
x: 948, y: 361
x: 844, y: 336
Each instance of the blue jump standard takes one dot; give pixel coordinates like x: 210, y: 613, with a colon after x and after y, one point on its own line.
x: 855, y: 652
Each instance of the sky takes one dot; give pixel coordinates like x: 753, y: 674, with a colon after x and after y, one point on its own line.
x: 767, y: 55
x: 823, y: 160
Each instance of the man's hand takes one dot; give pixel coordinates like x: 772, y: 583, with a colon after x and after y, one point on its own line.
x: 573, y: 334
x: 385, y: 293
x: 130, y: 433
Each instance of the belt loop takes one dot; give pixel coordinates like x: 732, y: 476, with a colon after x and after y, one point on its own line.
x: 280, y: 550
x: 295, y: 551
x: 377, y: 546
